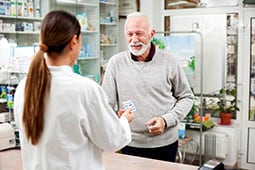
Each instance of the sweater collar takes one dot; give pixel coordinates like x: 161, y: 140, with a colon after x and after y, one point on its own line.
x: 150, y: 56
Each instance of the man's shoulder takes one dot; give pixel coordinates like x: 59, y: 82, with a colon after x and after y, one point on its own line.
x: 166, y: 55
x: 119, y: 56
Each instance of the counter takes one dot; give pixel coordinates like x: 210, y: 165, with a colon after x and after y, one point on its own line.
x: 11, y: 160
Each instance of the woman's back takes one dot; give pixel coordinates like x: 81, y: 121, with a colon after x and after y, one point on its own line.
x: 78, y: 125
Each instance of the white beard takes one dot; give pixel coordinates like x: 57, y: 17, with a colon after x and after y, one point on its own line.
x: 141, y: 51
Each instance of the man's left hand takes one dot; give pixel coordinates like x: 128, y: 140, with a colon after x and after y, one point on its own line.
x: 156, y: 125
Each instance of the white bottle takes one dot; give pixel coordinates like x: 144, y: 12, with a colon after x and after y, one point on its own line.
x: 4, y: 51
x: 7, y: 7
x: 30, y: 9
x: 25, y: 8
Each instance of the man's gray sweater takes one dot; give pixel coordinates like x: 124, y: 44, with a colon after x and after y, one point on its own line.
x: 157, y: 88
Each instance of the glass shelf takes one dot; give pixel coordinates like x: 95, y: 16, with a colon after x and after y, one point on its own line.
x: 108, y: 45
x: 20, y: 17
x: 107, y: 3
x: 78, y: 3
x: 18, y: 32
x: 110, y: 23
x: 87, y: 58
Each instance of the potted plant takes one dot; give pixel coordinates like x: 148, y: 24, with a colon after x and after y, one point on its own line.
x: 226, y: 104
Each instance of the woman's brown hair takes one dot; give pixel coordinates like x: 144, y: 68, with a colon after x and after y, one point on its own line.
x: 57, y: 29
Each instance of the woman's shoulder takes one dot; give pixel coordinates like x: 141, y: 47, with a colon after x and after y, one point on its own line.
x: 86, y: 80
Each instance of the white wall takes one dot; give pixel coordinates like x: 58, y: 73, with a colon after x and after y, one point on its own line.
x: 151, y: 8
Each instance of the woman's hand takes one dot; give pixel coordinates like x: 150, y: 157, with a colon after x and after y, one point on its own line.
x: 127, y: 113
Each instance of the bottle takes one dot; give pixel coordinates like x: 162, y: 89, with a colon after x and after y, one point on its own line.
x: 30, y: 9
x: 7, y: 8
x: 20, y: 8
x: 4, y: 51
x: 37, y: 8
x: 13, y: 8
x: 25, y: 8
x: 2, y: 7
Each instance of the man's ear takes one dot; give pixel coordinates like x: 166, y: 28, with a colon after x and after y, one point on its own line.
x: 153, y: 32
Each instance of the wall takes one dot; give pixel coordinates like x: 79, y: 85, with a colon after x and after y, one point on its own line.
x: 151, y: 8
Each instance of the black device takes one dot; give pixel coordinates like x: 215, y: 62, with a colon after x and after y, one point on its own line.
x: 212, y: 165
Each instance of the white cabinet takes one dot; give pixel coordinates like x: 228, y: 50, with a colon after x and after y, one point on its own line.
x: 109, y: 29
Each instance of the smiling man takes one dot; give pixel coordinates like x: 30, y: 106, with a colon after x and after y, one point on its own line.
x: 154, y: 84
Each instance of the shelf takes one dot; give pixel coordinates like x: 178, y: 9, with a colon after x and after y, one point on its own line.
x: 87, y: 58
x: 72, y: 3
x: 182, y: 4
x: 110, y: 23
x: 89, y: 32
x: 201, y: 11
x: 108, y: 45
x: 109, y: 28
x: 20, y: 17
x: 107, y: 3
x: 18, y: 32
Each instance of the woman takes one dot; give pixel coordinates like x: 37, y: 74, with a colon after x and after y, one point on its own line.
x: 64, y: 119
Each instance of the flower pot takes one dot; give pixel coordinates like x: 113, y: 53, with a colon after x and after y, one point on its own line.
x: 225, y: 118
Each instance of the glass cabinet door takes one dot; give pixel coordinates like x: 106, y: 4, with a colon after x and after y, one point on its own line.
x: 252, y: 70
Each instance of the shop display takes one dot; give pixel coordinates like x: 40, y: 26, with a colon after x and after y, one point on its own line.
x: 87, y: 12
x: 109, y: 37
x: 20, y: 24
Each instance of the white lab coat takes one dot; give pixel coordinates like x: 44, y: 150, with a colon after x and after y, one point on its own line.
x: 78, y: 125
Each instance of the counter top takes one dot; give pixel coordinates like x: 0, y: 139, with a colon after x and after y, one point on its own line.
x: 116, y: 161
x: 11, y: 160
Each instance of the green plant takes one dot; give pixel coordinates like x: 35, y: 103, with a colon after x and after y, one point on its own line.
x: 227, y: 102
x: 159, y: 42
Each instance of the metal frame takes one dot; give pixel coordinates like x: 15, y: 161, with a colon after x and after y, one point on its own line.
x: 201, y: 81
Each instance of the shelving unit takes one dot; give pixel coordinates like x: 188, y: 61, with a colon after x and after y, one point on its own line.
x: 109, y: 30
x: 24, y: 31
x: 20, y: 24
x: 87, y: 12
x: 99, y: 20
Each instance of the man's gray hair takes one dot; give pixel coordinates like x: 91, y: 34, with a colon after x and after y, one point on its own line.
x: 136, y: 15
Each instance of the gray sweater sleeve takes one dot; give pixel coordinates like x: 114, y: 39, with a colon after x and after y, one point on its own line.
x: 184, y: 97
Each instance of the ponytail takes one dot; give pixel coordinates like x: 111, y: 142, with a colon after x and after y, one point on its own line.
x: 36, y: 91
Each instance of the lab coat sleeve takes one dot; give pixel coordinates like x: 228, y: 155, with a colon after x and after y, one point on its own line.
x: 102, y: 125
x: 18, y: 103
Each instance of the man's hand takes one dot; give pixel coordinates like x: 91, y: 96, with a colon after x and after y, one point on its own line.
x: 156, y: 125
